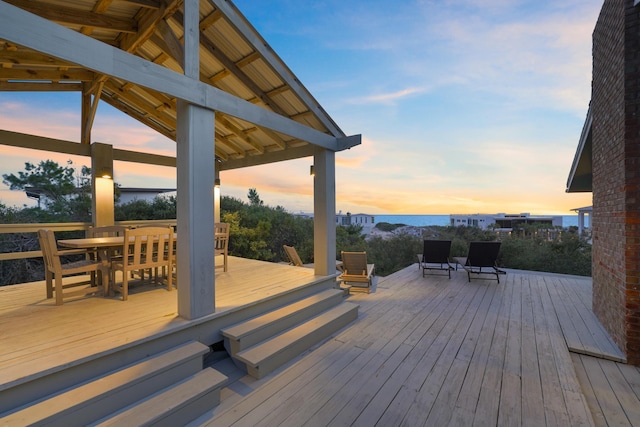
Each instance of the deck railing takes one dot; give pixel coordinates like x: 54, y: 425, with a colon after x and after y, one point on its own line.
x: 64, y: 226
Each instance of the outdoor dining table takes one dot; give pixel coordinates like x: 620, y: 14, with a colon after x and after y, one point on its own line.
x: 100, y: 244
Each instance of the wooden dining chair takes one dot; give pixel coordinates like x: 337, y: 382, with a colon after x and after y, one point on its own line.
x: 107, y: 255
x: 144, y: 248
x: 55, y: 269
x: 221, y: 230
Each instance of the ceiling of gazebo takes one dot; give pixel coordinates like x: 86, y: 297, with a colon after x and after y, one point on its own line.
x: 233, y: 58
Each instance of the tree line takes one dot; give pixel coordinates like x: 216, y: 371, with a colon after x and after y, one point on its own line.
x: 259, y: 231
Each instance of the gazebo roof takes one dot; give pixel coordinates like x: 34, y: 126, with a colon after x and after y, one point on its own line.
x: 234, y: 59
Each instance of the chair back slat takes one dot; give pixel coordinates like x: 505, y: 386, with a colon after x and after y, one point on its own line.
x: 221, y: 230
x: 354, y: 263
x: 149, y: 247
x: 292, y: 254
x: 49, y: 249
x: 106, y: 231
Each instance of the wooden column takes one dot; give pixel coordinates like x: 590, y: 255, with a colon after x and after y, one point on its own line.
x: 195, y: 150
x: 324, y: 212
x: 102, y: 209
x: 195, y: 176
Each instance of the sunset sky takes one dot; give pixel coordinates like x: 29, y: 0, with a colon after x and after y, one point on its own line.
x: 464, y: 106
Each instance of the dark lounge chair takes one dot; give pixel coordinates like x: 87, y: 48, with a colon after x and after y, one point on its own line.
x: 481, y: 259
x: 435, y: 256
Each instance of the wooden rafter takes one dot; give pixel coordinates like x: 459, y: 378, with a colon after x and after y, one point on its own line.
x: 90, y: 100
x: 147, y: 22
x: 150, y: 4
x: 169, y: 42
x: 68, y: 15
x: 224, y: 121
x: 39, y: 87
x: 25, y: 59
x: 237, y: 150
x: 100, y: 7
x: 46, y: 75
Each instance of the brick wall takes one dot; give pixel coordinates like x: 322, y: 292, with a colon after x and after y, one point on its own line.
x: 616, y: 173
x: 607, y: 132
x: 632, y: 181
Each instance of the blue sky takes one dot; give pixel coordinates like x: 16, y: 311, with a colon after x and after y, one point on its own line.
x: 465, y: 106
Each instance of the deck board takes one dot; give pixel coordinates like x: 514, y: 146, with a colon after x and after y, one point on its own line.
x: 428, y: 351
x: 423, y: 351
x: 33, y: 328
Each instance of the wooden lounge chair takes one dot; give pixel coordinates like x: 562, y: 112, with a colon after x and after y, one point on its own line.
x: 435, y: 256
x: 481, y: 259
x: 221, y: 230
x: 145, y: 248
x: 55, y: 269
x: 292, y: 254
x: 355, y: 270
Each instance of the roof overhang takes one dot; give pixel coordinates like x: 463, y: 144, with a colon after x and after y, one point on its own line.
x: 128, y: 54
x: 580, y: 176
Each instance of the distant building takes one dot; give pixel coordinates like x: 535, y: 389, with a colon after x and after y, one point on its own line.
x: 365, y: 220
x: 502, y: 221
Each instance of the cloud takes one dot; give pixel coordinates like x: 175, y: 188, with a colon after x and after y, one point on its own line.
x: 388, y: 98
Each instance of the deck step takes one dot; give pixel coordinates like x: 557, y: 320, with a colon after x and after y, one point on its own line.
x: 248, y: 333
x: 173, y: 406
x: 109, y: 393
x: 265, y: 357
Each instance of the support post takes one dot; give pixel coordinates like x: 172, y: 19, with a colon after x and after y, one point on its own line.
x: 195, y: 177
x: 195, y: 154
x: 324, y: 212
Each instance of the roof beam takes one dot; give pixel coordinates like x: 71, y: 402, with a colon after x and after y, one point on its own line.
x: 39, y: 87
x: 270, y: 157
x: 73, y: 16
x: 53, y: 75
x: 31, y: 59
x: 147, y: 25
x: 149, y: 4
x: 169, y: 42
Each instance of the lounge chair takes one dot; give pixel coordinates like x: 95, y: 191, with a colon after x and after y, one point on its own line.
x: 481, y: 259
x: 292, y: 254
x: 435, y: 256
x: 355, y: 270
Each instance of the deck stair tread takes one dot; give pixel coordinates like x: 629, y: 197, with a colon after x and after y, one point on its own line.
x: 113, y: 391
x: 250, y: 332
x: 174, y: 405
x: 269, y: 354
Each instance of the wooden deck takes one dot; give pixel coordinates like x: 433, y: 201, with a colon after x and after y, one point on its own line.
x: 433, y: 351
x: 39, y: 338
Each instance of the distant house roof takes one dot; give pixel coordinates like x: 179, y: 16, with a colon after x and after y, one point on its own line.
x: 145, y: 190
x: 581, y: 174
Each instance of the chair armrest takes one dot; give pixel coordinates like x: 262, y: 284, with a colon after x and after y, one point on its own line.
x: 370, y: 269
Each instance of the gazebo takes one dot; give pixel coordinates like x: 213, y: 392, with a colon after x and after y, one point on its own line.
x: 195, y: 71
